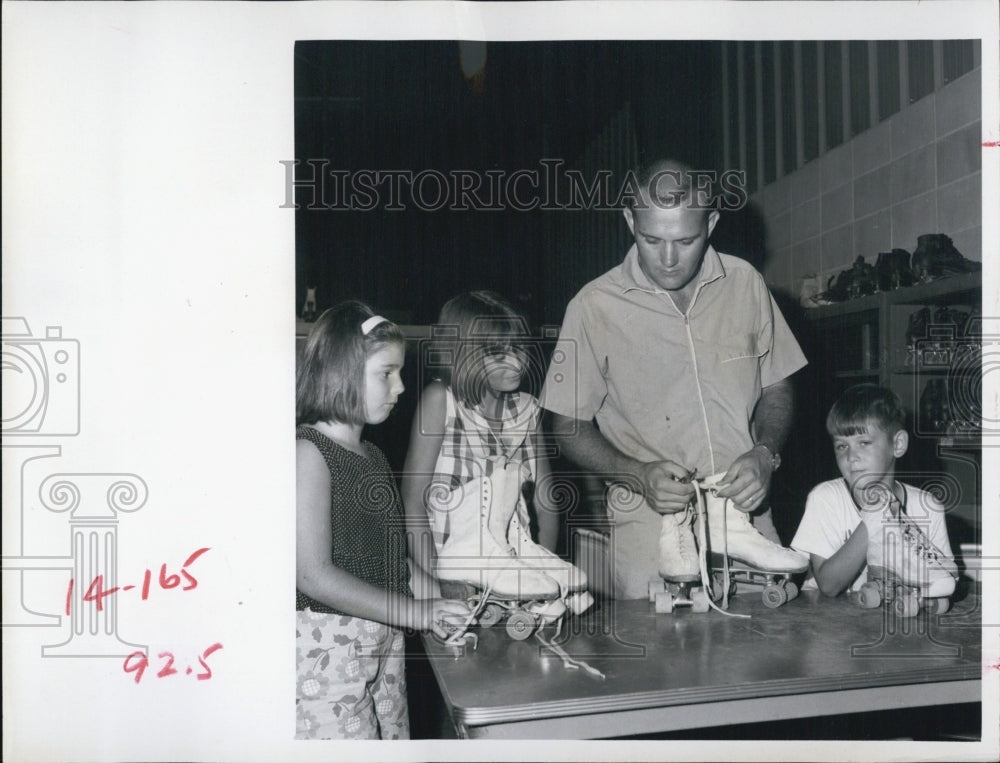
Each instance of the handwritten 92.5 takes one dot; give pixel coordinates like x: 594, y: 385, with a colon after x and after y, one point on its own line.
x: 96, y: 592
x: 137, y: 662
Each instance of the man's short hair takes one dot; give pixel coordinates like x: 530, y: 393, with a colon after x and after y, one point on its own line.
x: 669, y: 183
x: 862, y: 406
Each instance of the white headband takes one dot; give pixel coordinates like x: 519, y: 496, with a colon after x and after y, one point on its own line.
x: 371, y: 323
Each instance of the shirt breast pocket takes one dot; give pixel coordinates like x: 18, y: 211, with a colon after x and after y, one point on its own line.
x: 739, y: 347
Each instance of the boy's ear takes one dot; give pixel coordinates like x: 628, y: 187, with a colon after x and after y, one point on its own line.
x: 900, y: 442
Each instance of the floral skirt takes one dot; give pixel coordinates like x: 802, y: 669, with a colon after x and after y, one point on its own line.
x: 351, y: 682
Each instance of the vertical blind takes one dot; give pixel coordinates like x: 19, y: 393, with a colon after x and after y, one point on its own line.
x: 788, y: 102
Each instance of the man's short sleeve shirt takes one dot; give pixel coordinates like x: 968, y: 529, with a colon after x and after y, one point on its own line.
x: 662, y: 384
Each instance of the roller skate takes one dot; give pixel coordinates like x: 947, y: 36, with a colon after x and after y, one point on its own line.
x: 731, y: 532
x: 520, y: 618
x: 884, y: 588
x: 905, y: 569
x: 680, y: 583
x: 776, y: 588
x: 524, y: 586
x: 740, y: 554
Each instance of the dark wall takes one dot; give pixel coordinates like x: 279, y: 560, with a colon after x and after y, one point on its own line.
x: 408, y: 106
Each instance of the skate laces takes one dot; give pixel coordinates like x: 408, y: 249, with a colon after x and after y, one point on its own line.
x: 702, y: 524
x: 914, y: 537
x: 570, y: 663
x: 461, y: 635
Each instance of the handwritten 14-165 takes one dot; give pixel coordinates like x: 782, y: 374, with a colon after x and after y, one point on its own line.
x: 96, y: 592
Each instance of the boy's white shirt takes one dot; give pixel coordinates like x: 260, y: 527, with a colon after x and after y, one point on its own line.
x: 831, y: 516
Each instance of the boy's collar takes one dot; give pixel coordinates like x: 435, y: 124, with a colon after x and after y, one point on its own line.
x: 898, y: 495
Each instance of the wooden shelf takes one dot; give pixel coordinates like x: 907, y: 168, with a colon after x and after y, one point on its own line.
x: 941, y: 291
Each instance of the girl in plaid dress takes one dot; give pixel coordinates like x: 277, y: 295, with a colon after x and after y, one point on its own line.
x: 474, y: 446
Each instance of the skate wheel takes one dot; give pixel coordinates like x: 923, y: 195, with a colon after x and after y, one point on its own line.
x: 791, y: 589
x: 773, y: 596
x: 656, y: 586
x: 699, y: 600
x: 520, y: 626
x: 869, y: 596
x: 906, y: 606
x: 578, y: 603
x: 491, y: 615
x: 664, y: 602
x: 938, y: 606
x: 719, y: 583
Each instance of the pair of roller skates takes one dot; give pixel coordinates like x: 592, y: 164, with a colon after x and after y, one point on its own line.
x: 739, y: 553
x: 489, y: 560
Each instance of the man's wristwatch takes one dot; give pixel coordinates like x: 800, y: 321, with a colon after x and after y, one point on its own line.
x: 775, y: 457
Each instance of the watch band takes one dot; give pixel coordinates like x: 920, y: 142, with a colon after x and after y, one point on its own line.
x: 775, y: 457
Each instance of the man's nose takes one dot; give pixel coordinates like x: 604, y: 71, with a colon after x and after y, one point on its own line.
x: 669, y: 255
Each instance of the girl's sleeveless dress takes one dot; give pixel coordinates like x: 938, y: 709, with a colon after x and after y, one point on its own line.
x: 351, y: 681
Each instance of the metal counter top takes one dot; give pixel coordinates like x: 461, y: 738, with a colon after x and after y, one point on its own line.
x: 812, y: 656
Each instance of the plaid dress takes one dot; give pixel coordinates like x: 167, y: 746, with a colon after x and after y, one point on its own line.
x: 471, y: 444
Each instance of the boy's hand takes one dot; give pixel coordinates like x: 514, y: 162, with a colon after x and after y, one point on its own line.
x: 747, y: 481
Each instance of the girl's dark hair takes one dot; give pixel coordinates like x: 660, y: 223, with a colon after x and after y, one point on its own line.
x: 472, y: 326
x: 330, y: 381
x: 863, y: 405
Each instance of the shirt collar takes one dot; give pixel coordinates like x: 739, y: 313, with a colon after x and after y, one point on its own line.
x: 633, y: 276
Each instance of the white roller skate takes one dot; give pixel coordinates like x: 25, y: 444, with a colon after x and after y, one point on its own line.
x: 905, y: 569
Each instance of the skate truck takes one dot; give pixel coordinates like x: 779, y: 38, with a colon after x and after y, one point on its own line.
x: 739, y: 555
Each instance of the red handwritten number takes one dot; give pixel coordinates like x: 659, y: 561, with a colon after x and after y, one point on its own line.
x: 95, y: 592
x: 69, y: 596
x: 168, y: 581
x: 190, y: 560
x: 138, y: 667
x: 146, y: 579
x: 204, y: 656
x: 167, y: 669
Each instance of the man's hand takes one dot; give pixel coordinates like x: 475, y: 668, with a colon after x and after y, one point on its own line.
x: 747, y: 480
x: 666, y: 486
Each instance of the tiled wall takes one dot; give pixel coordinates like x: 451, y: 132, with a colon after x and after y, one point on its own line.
x: 916, y: 172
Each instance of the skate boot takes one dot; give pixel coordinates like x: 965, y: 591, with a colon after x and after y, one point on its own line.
x: 731, y: 532
x: 571, y: 579
x: 678, y: 553
x: 476, y: 551
x: 899, y: 551
x: 681, y: 583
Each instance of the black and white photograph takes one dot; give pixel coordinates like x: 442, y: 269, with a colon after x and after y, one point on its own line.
x: 640, y: 367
